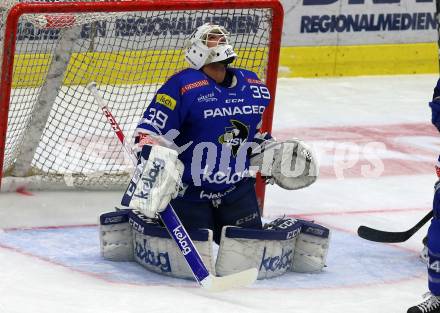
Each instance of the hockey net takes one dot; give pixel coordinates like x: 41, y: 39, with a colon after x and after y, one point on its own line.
x: 52, y: 134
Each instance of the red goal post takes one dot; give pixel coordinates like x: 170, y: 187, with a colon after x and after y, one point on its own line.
x: 50, y: 137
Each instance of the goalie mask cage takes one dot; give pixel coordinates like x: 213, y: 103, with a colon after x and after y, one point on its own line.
x: 52, y: 134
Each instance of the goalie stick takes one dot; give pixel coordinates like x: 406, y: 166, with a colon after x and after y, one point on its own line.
x: 175, y: 228
x: 389, y: 236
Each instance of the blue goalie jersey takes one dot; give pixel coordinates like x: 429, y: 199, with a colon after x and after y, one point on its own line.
x: 215, y: 124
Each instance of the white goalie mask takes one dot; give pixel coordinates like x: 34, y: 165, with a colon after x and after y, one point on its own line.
x: 209, y: 43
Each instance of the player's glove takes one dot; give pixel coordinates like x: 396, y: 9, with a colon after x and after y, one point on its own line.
x: 290, y: 164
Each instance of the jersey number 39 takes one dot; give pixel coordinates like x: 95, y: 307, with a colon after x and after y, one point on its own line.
x: 156, y: 117
x: 260, y: 92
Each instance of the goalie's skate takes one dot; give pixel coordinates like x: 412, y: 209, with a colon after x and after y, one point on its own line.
x: 430, y: 305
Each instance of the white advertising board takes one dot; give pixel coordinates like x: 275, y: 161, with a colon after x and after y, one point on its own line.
x: 358, y: 22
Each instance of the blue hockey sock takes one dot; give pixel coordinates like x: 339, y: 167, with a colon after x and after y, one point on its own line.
x: 434, y: 257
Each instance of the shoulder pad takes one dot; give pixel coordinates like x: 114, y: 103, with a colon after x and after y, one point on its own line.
x: 184, y: 81
x: 248, y: 76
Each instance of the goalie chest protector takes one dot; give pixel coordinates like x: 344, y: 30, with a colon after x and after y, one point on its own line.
x: 212, y: 117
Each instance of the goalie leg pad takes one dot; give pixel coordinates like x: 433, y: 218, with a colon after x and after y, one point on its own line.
x: 156, y: 251
x: 311, y: 248
x: 270, y: 251
x: 115, y: 236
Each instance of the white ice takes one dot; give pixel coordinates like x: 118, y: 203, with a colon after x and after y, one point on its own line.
x: 377, y: 150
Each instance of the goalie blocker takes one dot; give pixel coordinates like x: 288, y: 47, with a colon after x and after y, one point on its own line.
x: 285, y: 244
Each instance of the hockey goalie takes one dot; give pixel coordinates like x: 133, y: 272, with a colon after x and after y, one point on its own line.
x: 199, y: 148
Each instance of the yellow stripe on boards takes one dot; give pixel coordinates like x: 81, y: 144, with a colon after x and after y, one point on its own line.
x: 117, y: 68
x: 112, y: 68
x: 321, y: 61
x: 131, y: 67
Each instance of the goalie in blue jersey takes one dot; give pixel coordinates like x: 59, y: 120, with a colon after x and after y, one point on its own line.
x: 210, y: 114
x: 199, y: 148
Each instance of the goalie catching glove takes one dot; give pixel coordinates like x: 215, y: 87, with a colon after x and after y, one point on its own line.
x: 156, y: 180
x: 290, y: 164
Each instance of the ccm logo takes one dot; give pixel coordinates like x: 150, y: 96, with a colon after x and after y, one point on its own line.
x: 140, y: 228
x: 293, y: 233
x: 111, y: 119
x: 113, y: 220
x: 234, y: 100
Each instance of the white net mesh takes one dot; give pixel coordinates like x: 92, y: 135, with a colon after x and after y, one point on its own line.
x: 128, y: 54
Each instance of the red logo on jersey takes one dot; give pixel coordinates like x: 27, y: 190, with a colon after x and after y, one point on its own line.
x: 197, y: 84
x: 437, y: 170
x: 254, y: 81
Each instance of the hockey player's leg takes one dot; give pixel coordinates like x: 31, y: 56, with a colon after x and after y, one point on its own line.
x: 434, y: 257
x: 432, y: 302
x: 288, y: 244
x: 128, y: 235
x: 285, y: 245
x: 239, y: 208
x: 194, y: 214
